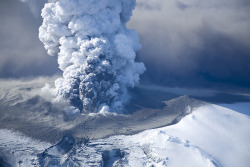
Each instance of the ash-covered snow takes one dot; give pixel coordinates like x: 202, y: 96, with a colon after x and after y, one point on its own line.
x: 18, y: 150
x: 209, y: 136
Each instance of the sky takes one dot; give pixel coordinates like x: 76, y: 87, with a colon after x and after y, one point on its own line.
x: 21, y: 52
x: 189, y: 43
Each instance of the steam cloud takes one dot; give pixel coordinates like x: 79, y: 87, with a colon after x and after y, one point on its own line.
x: 96, y: 52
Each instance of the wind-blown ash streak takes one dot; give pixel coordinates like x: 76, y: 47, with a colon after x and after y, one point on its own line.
x: 96, y: 52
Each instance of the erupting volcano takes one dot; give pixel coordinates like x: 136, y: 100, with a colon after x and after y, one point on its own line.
x: 95, y: 50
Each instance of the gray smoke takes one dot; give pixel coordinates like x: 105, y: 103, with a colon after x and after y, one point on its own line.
x: 95, y: 50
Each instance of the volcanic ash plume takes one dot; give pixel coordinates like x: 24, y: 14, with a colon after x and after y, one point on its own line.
x: 95, y: 50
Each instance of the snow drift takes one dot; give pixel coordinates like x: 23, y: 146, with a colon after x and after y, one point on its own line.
x: 95, y: 50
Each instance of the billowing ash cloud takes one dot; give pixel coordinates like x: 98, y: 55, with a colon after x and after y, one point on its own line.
x: 96, y: 52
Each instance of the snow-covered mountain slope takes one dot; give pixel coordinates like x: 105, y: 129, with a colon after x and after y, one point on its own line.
x: 17, y: 149
x: 210, y: 136
x: 223, y: 133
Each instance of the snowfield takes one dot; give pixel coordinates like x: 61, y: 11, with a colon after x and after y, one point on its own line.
x: 210, y: 136
x: 223, y: 133
x: 19, y: 150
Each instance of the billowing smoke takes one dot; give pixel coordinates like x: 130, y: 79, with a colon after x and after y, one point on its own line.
x: 95, y: 50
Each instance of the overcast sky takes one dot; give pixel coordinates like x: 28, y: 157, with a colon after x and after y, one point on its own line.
x: 21, y: 52
x: 184, y: 42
